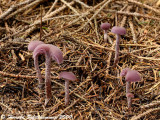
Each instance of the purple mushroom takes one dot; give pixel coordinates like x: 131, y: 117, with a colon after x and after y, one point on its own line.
x: 118, y: 31
x: 130, y: 76
x: 105, y: 27
x: 32, y: 45
x: 67, y: 76
x: 50, y: 52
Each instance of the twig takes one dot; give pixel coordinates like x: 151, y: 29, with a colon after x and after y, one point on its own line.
x: 23, y: 90
x: 41, y: 23
x: 135, y: 51
x: 86, y: 13
x: 76, y: 20
x: 96, y: 29
x: 136, y: 117
x: 154, y: 86
x: 125, y: 17
x: 20, y: 76
x: 144, y: 5
x: 55, y: 12
x: 108, y: 98
x: 109, y: 58
x: 146, y: 58
x: 152, y: 51
x: 63, y: 111
x: 132, y: 14
x: 82, y: 3
x: 10, y: 109
x: 81, y: 43
x: 72, y: 8
x: 98, y: 46
x: 7, y: 37
x: 13, y: 7
x: 23, y: 8
x: 51, y: 8
x: 43, y: 20
x: 154, y: 103
x: 132, y: 31
x: 46, y: 16
x: 2, y: 29
x: 140, y: 45
x: 95, y: 14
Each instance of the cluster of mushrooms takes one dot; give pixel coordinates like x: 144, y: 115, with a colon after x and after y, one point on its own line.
x: 50, y: 52
x: 130, y: 75
x: 53, y: 52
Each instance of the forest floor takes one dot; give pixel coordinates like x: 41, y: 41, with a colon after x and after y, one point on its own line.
x: 74, y: 27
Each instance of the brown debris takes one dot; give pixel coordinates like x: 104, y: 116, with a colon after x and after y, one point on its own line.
x: 74, y: 27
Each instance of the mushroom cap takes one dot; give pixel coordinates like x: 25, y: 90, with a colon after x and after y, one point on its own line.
x: 53, y: 51
x: 124, y: 72
x: 56, y: 54
x: 118, y: 30
x: 33, y: 44
x: 68, y: 76
x: 105, y: 26
x: 131, y: 75
x: 130, y: 95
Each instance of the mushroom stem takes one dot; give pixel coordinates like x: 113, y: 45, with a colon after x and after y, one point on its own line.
x: 40, y: 80
x: 67, y: 76
x: 105, y: 27
x: 66, y: 92
x: 105, y: 35
x: 129, y: 99
x: 117, y: 49
x: 130, y: 76
x: 48, y: 78
x: 128, y: 84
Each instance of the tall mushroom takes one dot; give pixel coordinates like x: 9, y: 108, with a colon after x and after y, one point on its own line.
x: 67, y: 76
x: 105, y: 27
x: 118, y: 31
x: 130, y: 76
x: 50, y: 52
x: 32, y: 45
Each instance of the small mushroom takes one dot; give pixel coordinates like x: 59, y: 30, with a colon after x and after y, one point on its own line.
x: 67, y: 76
x: 50, y: 52
x: 32, y: 45
x: 105, y: 27
x: 130, y: 76
x: 53, y: 52
x: 118, y: 31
